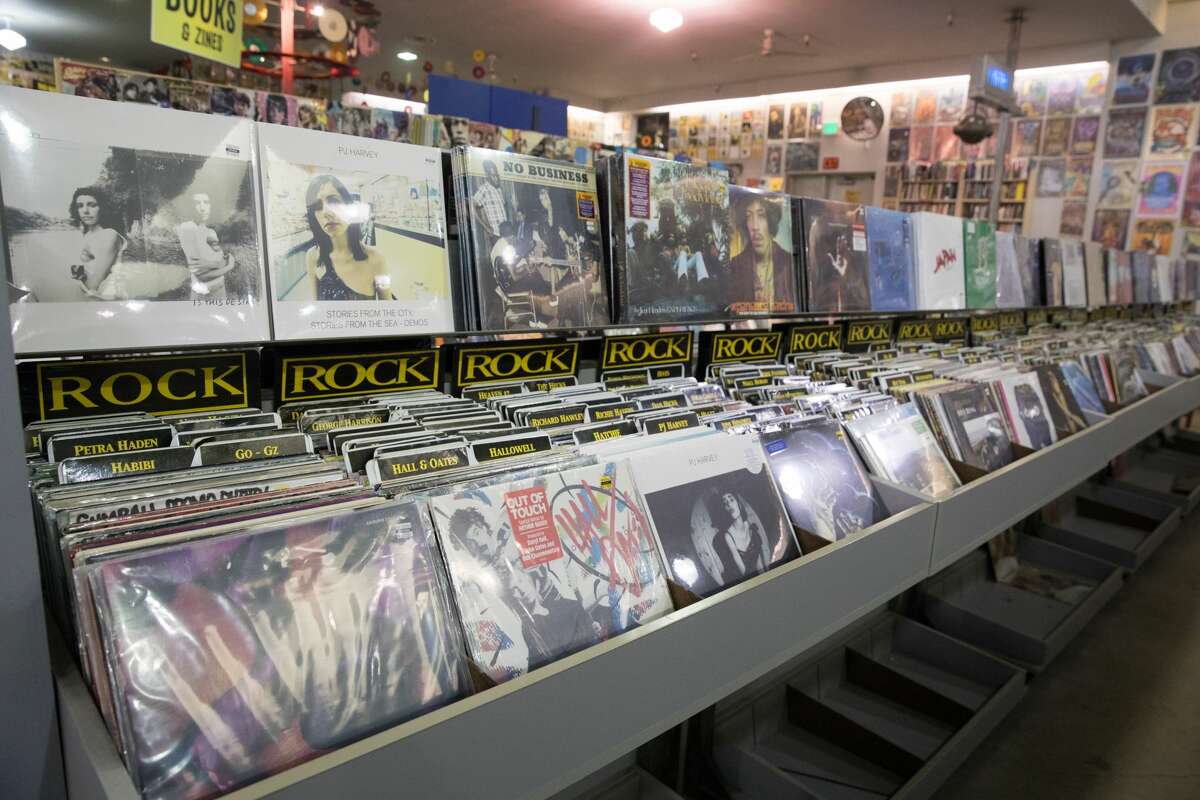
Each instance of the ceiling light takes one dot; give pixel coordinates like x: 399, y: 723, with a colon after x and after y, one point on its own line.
x: 317, y: 9
x: 105, y: 59
x: 666, y: 19
x: 10, y: 39
x: 406, y: 55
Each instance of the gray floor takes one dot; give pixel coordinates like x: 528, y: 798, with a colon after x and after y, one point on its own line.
x: 1117, y: 716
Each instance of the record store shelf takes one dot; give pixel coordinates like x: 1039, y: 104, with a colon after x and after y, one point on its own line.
x: 984, y: 507
x: 590, y: 709
x: 1119, y: 525
x: 1160, y: 473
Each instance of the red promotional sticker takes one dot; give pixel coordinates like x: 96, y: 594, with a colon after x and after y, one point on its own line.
x: 533, y: 527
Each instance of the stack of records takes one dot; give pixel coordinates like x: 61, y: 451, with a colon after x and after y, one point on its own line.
x: 530, y: 250
x: 1052, y: 272
x: 979, y: 247
x: 1082, y: 387
x: 716, y: 513
x: 1010, y: 289
x: 824, y: 486
x: 761, y: 277
x: 836, y: 262
x: 545, y: 565
x: 898, y: 446
x: 1065, y: 412
x: 1118, y: 266
x: 1024, y: 405
x: 1029, y: 263
x: 968, y: 424
x: 1143, y: 275
x: 1093, y: 259
x: 890, y: 259
x: 670, y: 228
x: 941, y: 283
x: 1074, y: 273
x: 1162, y: 283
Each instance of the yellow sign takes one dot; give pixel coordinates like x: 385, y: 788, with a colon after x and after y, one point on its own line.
x: 210, y: 29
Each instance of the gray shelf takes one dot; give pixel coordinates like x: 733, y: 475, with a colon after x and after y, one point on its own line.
x: 1120, y: 526
x: 979, y: 510
x: 1160, y: 473
x: 677, y: 666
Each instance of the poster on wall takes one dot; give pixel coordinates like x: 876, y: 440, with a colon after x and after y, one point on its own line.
x: 774, y: 161
x: 1110, y: 227
x: 1062, y: 95
x: 1134, y: 74
x: 1171, y: 130
x: 1084, y: 134
x: 920, y: 145
x: 653, y: 130
x: 1118, y: 184
x: 1073, y: 215
x: 1179, y: 76
x: 797, y: 127
x: 1162, y: 186
x: 1153, y: 234
x: 816, y: 118
x: 1031, y: 96
x: 897, y: 149
x: 1051, y: 177
x: 902, y: 110
x: 1125, y: 132
x: 775, y: 122
x: 951, y: 100
x: 1056, y: 135
x: 1078, y: 176
x: 356, y: 236
x: 1191, y: 197
x: 1093, y: 88
x: 945, y: 143
x: 803, y: 156
x: 116, y: 241
x: 926, y: 106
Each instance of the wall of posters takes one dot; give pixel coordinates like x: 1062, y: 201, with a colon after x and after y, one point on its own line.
x: 1134, y: 74
x: 1162, y: 188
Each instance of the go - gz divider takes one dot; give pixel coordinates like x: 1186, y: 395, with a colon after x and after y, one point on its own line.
x: 988, y: 505
x: 569, y: 719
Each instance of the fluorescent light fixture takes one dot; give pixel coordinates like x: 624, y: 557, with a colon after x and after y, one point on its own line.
x: 10, y: 39
x: 316, y: 9
x: 406, y: 55
x: 666, y: 19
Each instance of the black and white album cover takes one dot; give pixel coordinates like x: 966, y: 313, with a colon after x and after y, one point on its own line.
x: 534, y: 240
x: 825, y: 488
x: 128, y: 225
x: 356, y: 235
x: 978, y: 427
x: 545, y: 566
x: 716, y: 514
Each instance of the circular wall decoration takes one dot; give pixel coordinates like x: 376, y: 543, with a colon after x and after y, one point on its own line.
x: 332, y: 25
x: 862, y: 119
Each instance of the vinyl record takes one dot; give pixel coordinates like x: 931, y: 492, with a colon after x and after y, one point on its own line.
x: 254, y: 12
x: 333, y: 25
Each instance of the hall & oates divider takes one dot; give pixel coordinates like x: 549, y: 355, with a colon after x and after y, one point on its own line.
x: 538, y: 734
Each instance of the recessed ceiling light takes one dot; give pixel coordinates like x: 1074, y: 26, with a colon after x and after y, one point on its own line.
x: 10, y: 39
x: 105, y: 59
x: 317, y: 9
x: 406, y: 55
x: 666, y: 19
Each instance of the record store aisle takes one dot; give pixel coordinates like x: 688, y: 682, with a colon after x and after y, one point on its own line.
x: 1117, y: 716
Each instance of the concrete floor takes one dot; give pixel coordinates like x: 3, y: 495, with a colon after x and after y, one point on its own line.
x: 1117, y: 715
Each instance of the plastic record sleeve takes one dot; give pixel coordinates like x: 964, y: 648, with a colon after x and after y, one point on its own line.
x: 128, y: 225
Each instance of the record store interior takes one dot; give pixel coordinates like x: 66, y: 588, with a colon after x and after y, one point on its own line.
x: 644, y: 400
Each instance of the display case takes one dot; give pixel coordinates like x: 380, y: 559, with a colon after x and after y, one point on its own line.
x: 1113, y: 523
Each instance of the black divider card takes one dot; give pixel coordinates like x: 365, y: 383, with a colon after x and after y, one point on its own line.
x: 607, y: 412
x: 484, y: 393
x: 670, y: 422
x: 509, y: 446
x: 109, y: 442
x: 647, y: 350
x: 145, y: 462
x: 323, y: 423
x: 425, y: 461
x: 207, y: 422
x: 193, y: 438
x: 479, y: 364
x: 301, y: 375
x: 267, y: 447
x: 624, y: 379
x: 155, y: 384
x: 602, y: 433
x: 557, y: 416
x: 660, y: 402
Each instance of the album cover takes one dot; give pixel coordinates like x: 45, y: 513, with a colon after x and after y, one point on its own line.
x: 235, y: 657
x: 1029, y: 264
x: 533, y: 240
x: 977, y: 426
x: 1133, y: 79
x: 1125, y: 132
x: 716, y: 514
x: 803, y: 156
x: 1142, y: 262
x: 1025, y: 409
x: 671, y: 239
x: 890, y: 260
x: 761, y: 278
x: 1052, y: 176
x: 196, y: 96
x: 926, y: 106
x: 82, y: 80
x: 1179, y: 76
x: 1153, y: 235
x: 1162, y: 189
x: 1093, y: 90
x: 1110, y: 227
x: 824, y: 486
x: 545, y: 566
x: 1071, y: 221
x: 142, y: 88
x: 945, y: 143
x: 941, y: 282
x: 1027, y: 134
x: 1081, y: 387
x: 773, y: 166
x: 98, y: 214
x: 1191, y: 195
x: 920, y: 144
x: 1093, y: 261
x: 1119, y: 268
x: 1065, y: 413
x: 901, y: 113
x: 1062, y: 95
x: 1009, y: 291
x: 775, y: 122
x: 231, y: 101
x: 1031, y: 96
x: 1052, y: 271
x: 897, y: 147
x: 797, y: 127
x: 816, y: 114
x: 348, y: 222
x: 1056, y: 135
x: 1162, y: 283
x: 899, y: 446
x: 1077, y: 177
x: 979, y: 264
x: 837, y: 271
x: 1084, y: 134
x: 1118, y: 184
x: 1171, y: 131
x: 1128, y: 382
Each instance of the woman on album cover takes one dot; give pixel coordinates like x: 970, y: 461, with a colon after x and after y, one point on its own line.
x: 340, y: 265
x: 740, y: 544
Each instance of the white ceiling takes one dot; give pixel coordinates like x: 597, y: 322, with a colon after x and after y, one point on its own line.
x: 605, y: 54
